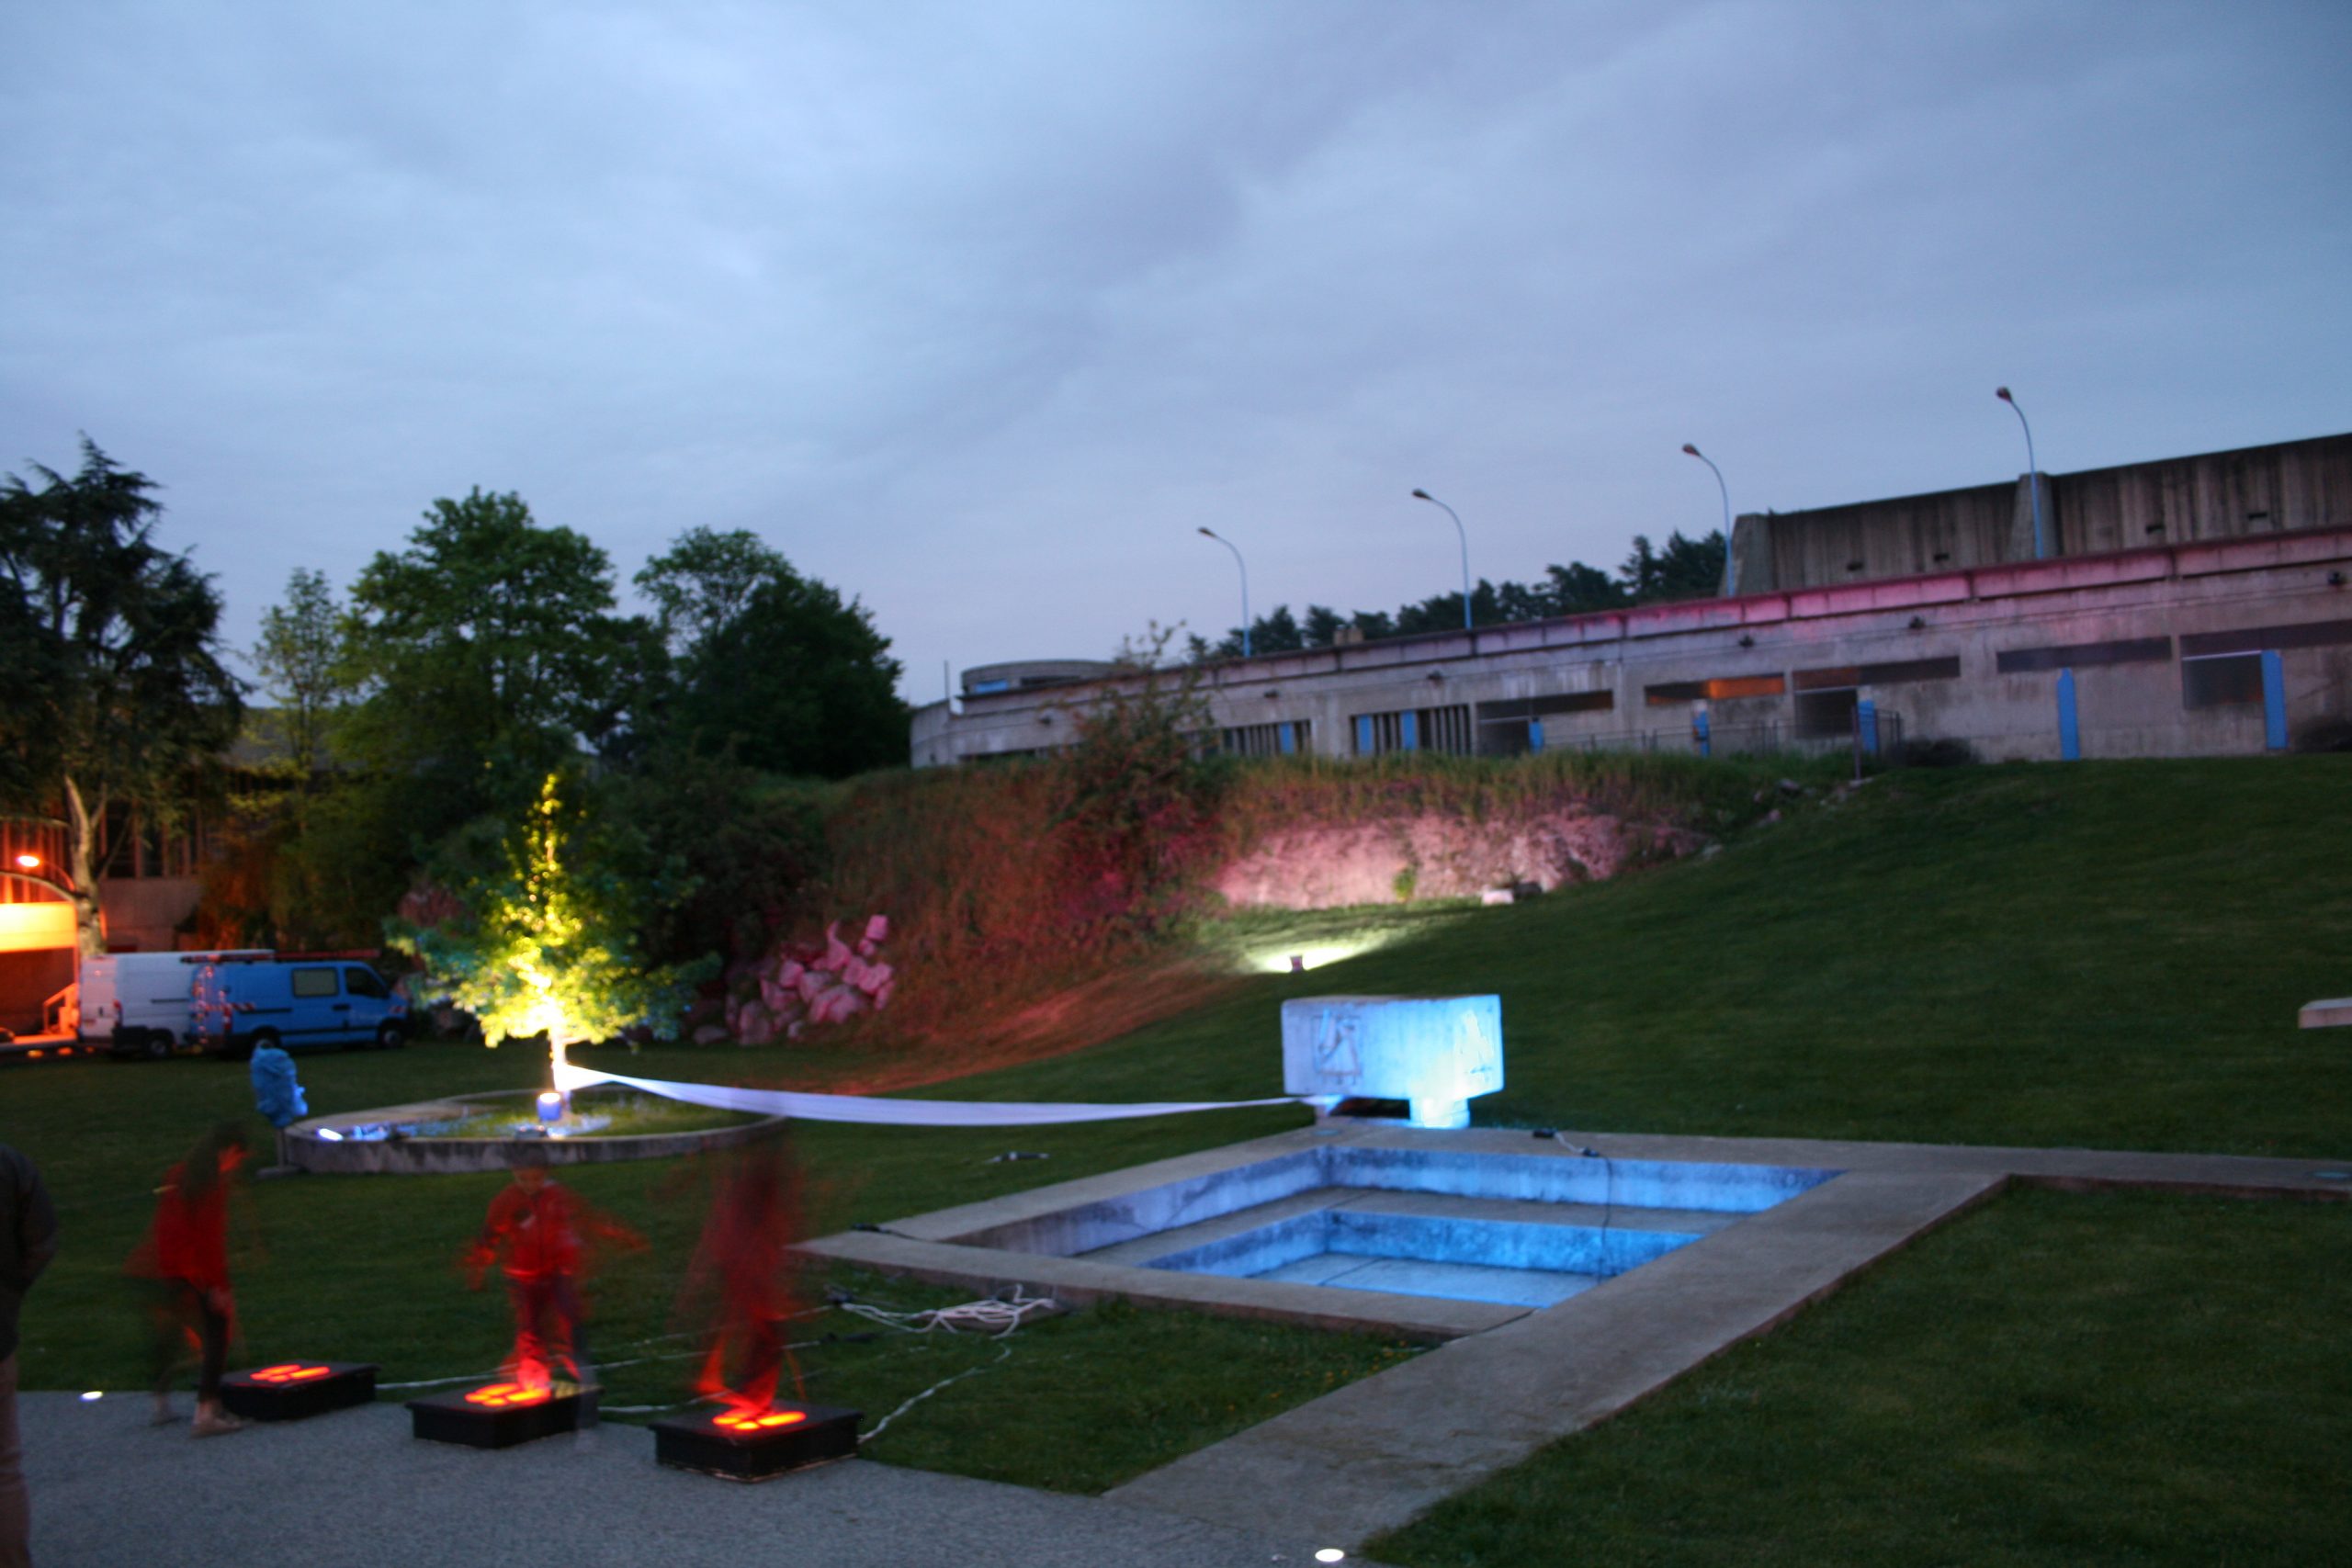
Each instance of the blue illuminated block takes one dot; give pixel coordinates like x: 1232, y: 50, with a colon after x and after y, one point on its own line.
x: 1436, y: 1052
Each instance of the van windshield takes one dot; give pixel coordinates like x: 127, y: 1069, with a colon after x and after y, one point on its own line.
x: 364, y: 982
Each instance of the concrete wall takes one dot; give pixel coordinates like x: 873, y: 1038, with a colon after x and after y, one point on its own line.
x: 1927, y: 649
x: 2282, y: 488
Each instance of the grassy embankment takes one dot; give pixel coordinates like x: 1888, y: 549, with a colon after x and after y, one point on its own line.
x: 2107, y: 955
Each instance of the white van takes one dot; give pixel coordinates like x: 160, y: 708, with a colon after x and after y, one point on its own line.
x: 143, y: 1004
x: 242, y: 1003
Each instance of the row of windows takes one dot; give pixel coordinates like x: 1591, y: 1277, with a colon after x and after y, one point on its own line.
x: 2218, y: 669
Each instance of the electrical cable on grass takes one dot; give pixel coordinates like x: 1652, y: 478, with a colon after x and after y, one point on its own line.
x: 926, y: 1393
x: 996, y: 1316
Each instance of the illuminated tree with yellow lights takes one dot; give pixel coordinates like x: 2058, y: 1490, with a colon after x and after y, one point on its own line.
x: 548, y: 946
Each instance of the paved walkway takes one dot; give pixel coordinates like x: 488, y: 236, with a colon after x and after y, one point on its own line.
x: 354, y: 1489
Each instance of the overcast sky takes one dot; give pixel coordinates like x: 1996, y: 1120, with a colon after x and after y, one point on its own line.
x: 978, y: 310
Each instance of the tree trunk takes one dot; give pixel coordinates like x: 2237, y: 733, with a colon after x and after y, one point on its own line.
x: 81, y: 854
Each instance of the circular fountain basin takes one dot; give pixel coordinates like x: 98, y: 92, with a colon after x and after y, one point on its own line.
x: 405, y: 1139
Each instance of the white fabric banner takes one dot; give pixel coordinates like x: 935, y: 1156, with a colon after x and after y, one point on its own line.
x: 904, y: 1112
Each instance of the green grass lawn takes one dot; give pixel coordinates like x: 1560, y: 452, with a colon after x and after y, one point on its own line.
x: 2054, y: 1380
x: 2105, y: 954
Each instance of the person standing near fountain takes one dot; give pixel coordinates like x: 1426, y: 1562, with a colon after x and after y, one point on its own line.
x: 536, y: 1226
x: 185, y: 1257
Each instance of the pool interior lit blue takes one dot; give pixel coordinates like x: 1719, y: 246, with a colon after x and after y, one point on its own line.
x: 1527, y: 1230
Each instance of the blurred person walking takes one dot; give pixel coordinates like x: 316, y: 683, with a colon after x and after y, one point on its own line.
x: 744, y: 1282
x: 27, y: 1241
x: 538, y: 1229
x: 185, y: 1259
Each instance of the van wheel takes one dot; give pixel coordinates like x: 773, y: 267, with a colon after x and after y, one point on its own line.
x: 390, y: 1036
x: 158, y: 1045
x: 244, y: 1052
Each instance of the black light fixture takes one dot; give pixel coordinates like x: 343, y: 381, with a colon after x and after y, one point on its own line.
x: 1746, y: 640
x: 1919, y: 622
x: 2335, y: 580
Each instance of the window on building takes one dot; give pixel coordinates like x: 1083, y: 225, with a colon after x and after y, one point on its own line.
x: 1825, y: 716
x: 2084, y: 655
x: 1445, y: 729
x: 1282, y: 737
x: 1722, y: 689
x: 1515, y: 724
x: 1886, y: 674
x: 2221, y: 680
x: 2254, y: 639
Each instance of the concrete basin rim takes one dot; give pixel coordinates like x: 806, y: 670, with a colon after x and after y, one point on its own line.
x: 306, y: 1149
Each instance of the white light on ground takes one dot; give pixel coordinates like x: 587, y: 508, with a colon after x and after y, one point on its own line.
x: 1330, y: 1554
x: 330, y: 1135
x: 94, y: 1394
x: 1292, y: 960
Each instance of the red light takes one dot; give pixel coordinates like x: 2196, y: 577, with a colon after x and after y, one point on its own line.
x: 290, y: 1372
x: 759, y: 1421
x: 36, y: 1055
x: 505, y: 1395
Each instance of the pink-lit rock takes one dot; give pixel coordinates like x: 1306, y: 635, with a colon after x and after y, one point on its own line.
x: 1321, y: 867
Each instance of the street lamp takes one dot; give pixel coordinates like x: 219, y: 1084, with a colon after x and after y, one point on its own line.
x: 1230, y: 545
x: 1731, y: 572
x: 2032, y: 471
x: 1424, y: 495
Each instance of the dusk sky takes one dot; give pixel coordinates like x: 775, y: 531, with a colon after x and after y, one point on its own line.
x: 979, y: 311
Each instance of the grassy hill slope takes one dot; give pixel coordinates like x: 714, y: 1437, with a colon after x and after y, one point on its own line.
x: 2105, y: 954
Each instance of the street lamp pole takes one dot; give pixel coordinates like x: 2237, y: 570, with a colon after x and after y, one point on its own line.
x: 2032, y: 471
x: 1230, y: 545
x: 1424, y: 495
x: 1730, y: 568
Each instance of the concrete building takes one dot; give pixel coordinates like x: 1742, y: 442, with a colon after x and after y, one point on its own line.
x: 2195, y: 607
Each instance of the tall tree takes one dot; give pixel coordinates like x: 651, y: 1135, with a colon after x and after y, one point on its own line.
x: 774, y: 670
x: 704, y: 580
x: 116, y: 689
x: 1576, y: 588
x: 547, y: 942
x: 300, y: 656
x: 482, y: 656
x: 1686, y: 569
x: 797, y: 682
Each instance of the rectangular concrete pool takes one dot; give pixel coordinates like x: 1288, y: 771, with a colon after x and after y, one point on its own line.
x: 1345, y: 1224
x: 1528, y: 1230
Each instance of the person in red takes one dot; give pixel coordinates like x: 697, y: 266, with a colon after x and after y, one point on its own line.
x: 185, y: 1259
x: 745, y: 1270
x: 537, y: 1227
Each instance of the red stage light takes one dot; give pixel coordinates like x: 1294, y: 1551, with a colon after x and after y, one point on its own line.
x: 758, y: 1421
x: 504, y: 1395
